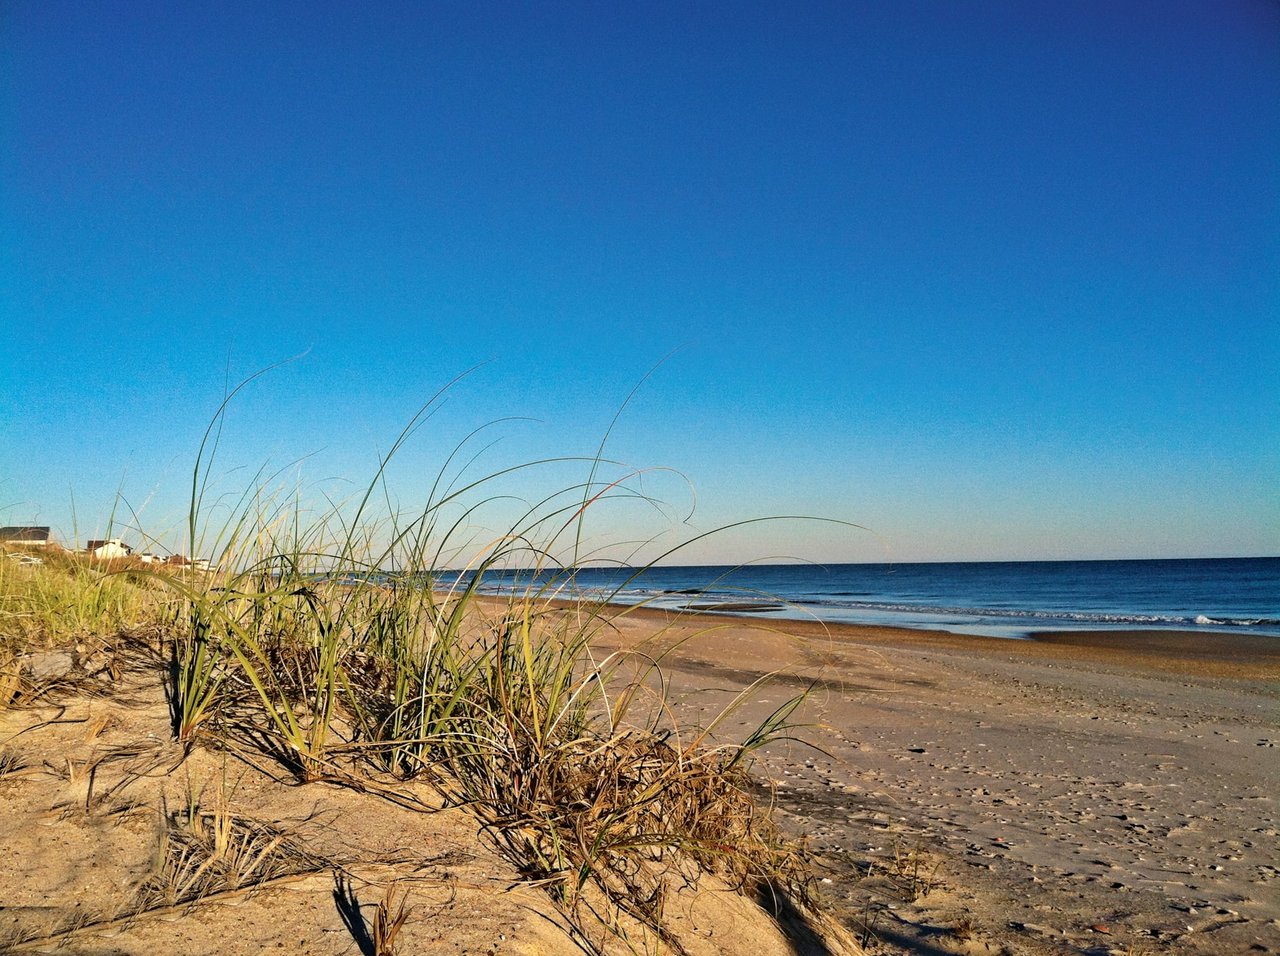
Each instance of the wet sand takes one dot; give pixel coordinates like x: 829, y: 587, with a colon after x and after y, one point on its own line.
x: 1081, y: 792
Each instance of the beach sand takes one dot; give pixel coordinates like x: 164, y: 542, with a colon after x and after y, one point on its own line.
x: 101, y: 856
x: 1077, y: 793
x: 1108, y: 792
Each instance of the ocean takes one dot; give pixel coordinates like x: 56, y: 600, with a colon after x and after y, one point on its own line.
x: 999, y: 598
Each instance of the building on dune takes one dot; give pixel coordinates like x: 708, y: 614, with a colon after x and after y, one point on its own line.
x: 26, y: 536
x: 108, y: 548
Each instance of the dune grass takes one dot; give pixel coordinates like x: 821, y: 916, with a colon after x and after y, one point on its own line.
x: 67, y: 597
x: 67, y: 602
x: 204, y: 848
x: 337, y: 642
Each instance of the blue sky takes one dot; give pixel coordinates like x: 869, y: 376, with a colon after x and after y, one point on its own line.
x: 995, y: 280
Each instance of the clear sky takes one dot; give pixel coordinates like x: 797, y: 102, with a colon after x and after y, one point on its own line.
x: 995, y: 280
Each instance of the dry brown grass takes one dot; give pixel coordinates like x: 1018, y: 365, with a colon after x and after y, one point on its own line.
x: 308, y: 652
x: 203, y: 851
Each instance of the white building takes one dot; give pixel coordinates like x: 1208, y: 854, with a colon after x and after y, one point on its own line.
x: 110, y: 548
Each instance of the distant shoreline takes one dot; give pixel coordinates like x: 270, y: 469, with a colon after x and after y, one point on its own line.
x: 1208, y: 653
x: 1006, y: 600
x: 782, y: 613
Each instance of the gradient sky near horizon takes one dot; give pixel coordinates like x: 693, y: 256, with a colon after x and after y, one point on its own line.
x: 995, y: 280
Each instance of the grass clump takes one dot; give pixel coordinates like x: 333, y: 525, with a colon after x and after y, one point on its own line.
x: 205, y: 850
x: 66, y: 597
x: 376, y: 935
x: 338, y: 642
x: 503, y: 705
x: 57, y: 615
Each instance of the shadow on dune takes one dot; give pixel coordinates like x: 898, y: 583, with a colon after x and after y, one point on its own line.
x: 795, y: 924
x: 344, y: 897
x: 912, y: 944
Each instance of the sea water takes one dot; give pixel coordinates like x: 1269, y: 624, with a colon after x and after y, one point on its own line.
x: 1002, y: 598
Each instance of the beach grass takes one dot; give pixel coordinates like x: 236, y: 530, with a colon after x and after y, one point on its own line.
x: 333, y: 641
x: 66, y: 606
x: 68, y: 596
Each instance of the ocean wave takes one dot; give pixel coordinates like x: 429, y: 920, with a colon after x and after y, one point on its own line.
x: 743, y: 600
x: 1043, y: 614
x: 1001, y: 597
x: 1204, y: 619
x: 1038, y: 616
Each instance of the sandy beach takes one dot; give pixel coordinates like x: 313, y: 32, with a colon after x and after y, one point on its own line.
x: 1077, y: 793
x: 120, y: 840
x: 1109, y: 792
